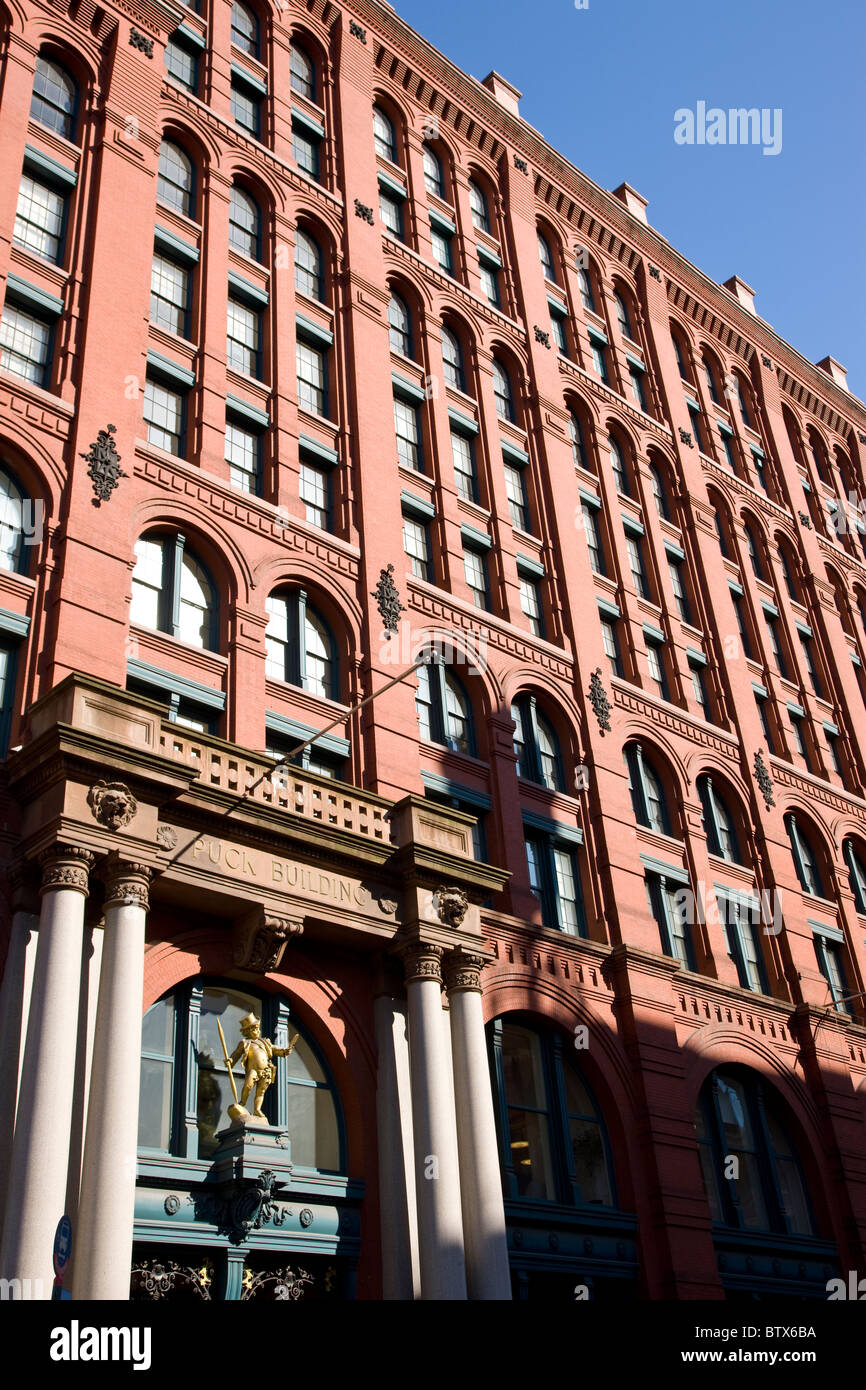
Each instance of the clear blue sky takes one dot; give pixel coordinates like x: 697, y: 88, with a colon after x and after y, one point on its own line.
x: 602, y: 86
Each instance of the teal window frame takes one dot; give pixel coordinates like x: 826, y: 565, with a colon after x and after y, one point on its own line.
x: 829, y: 950
x: 805, y: 860
x: 173, y: 551
x: 741, y: 919
x: 719, y: 824
x: 534, y: 771
x: 295, y: 651
x: 857, y: 874
x: 545, y: 850
x: 662, y: 890
x: 642, y: 802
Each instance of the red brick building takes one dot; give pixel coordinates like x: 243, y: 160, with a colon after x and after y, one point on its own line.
x: 570, y: 925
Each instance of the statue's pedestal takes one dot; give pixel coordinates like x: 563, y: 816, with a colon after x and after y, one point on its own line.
x: 245, y: 1150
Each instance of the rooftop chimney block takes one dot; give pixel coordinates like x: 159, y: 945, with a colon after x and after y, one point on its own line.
x: 505, y: 94
x: 743, y: 293
x: 835, y: 370
x: 634, y: 201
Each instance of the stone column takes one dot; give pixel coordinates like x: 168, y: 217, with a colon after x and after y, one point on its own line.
x: 437, y: 1182
x: 40, y: 1152
x: 106, y: 1206
x: 398, y: 1211
x: 14, y: 1008
x: 487, y: 1271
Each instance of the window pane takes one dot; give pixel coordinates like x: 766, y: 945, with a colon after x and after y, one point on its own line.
x: 181, y: 64
x: 464, y: 466
x: 319, y: 665
x: 588, y: 1158
x: 406, y: 427
x: 53, y: 101
x: 154, y: 1105
x: 245, y: 29
x: 169, y: 295
x: 566, y: 887
x: 25, y: 344
x: 174, y: 181
x: 391, y: 213
x: 315, y: 494
x: 147, y: 583
x: 302, y: 73
x: 163, y: 415
x: 305, y: 149
x: 312, y: 1125
x: 515, y: 490
x: 243, y: 453
x: 196, y: 601
x: 243, y: 342
x: 244, y: 223
x: 311, y: 379
x: 530, y: 602
x: 308, y: 266
x: 416, y: 546
x: 478, y: 207
x: 476, y: 576
x: 246, y: 108
x: 39, y: 218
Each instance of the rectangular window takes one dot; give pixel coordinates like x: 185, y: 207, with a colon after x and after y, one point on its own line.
x: 443, y: 252
x: 680, y: 596
x: 391, y: 213
x: 416, y: 543
x: 797, y: 732
x: 728, y: 456
x: 8, y: 669
x: 775, y: 646
x: 557, y: 328
x: 761, y: 702
x: 669, y: 905
x: 164, y: 417
x: 490, y: 282
x: 244, y: 457
x: 39, y: 218
x: 530, y: 602
x: 809, y: 663
x: 593, y: 539
x: 611, y: 646
x: 475, y: 568
x: 246, y: 108
x: 829, y: 955
x: 657, y: 669
x: 407, y: 427
x: 697, y: 429
x: 169, y: 296
x: 599, y: 361
x: 760, y: 472
x: 306, y: 149
x: 518, y: 502
x: 699, y: 687
x: 636, y: 563
x: 244, y: 339
x: 181, y: 64
x: 741, y: 927
x: 463, y: 454
x: 315, y: 493
x: 25, y: 344
x: 555, y: 882
x: 832, y: 741
x: 312, y: 379
x: 739, y: 612
x: 637, y: 386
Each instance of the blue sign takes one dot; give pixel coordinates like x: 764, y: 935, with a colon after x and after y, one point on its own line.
x: 62, y: 1245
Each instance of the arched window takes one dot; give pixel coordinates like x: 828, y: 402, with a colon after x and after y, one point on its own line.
x: 537, y: 748
x: 443, y: 708
x: 546, y: 257
x: 681, y: 355
x: 302, y: 74
x: 718, y: 822
x: 399, y: 326
x: 502, y: 391
x: 182, y: 1063
x: 174, y: 185
x: 452, y: 360
x: 300, y: 648
x: 819, y: 454
x: 712, y: 382
x: 308, y: 266
x: 13, y: 533
x: 245, y: 224
x: 617, y: 463
x: 787, y: 569
x: 478, y: 207
x: 857, y: 873
x: 659, y: 493
x: 554, y: 1145
x: 623, y: 317
x: 741, y: 391
x: 172, y: 591
x: 578, y: 443
x: 740, y: 1117
x: 648, y: 799
x: 384, y: 135
x: 245, y: 29
x: 54, y: 97
x: 584, y: 281
x: 805, y: 858
x: 434, y: 180
x: 754, y: 553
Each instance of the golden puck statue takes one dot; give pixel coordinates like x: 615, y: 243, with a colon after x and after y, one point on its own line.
x: 255, y: 1053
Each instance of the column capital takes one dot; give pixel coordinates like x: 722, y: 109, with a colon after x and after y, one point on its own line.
x: 66, y: 866
x: 463, y: 971
x: 126, y: 882
x: 422, y: 961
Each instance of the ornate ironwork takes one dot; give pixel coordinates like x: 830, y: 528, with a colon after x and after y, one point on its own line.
x: 103, y: 465
x: 805, y: 520
x: 655, y: 273
x: 541, y: 336
x: 599, y: 701
x: 287, y: 1284
x: 388, y: 600
x: 861, y: 437
x: 141, y: 42
x: 241, y: 1206
x: 157, y: 1279
x: 361, y: 210
x: 520, y: 164
x: 357, y: 32
x: 686, y: 437
x: 764, y: 780
x: 767, y: 361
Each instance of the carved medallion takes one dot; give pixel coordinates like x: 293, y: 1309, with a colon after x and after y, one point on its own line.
x: 599, y: 701
x: 763, y: 779
x: 166, y: 837
x: 112, y: 804
x: 388, y: 600
x: 452, y: 906
x: 103, y: 465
